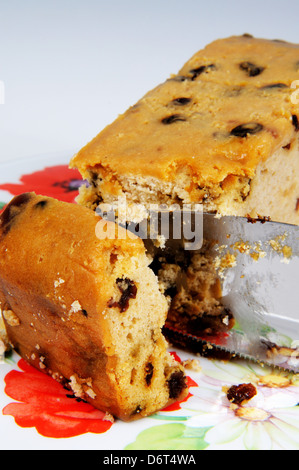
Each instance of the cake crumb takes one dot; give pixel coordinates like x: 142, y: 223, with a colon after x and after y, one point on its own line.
x: 11, y: 318
x: 4, y: 342
x: 160, y: 241
x: 60, y: 281
x: 108, y: 417
x: 2, y: 350
x: 76, y: 386
x: 287, y: 252
x: 90, y: 392
x: 41, y: 362
x: 276, y: 245
x: 75, y: 307
x: 225, y: 262
x: 81, y: 387
x: 56, y: 376
x: 192, y: 364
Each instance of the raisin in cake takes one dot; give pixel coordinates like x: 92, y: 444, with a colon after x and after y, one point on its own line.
x: 84, y: 308
x: 222, y: 132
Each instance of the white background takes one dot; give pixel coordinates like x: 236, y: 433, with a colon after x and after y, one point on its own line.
x: 69, y: 67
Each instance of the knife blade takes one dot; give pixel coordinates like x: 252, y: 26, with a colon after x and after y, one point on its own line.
x: 258, y: 263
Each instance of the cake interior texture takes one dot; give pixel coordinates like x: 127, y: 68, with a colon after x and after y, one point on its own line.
x: 223, y: 133
x: 272, y: 193
x: 87, y: 311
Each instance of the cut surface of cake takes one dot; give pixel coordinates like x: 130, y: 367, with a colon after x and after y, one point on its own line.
x: 222, y: 133
x: 84, y: 309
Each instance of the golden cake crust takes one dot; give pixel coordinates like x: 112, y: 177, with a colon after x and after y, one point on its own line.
x: 85, y: 310
x: 227, y: 110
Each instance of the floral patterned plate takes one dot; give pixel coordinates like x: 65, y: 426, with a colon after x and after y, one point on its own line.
x: 38, y: 413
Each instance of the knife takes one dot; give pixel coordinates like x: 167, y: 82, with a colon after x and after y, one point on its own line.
x: 258, y: 264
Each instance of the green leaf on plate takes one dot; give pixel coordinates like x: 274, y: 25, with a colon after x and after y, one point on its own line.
x: 174, y: 436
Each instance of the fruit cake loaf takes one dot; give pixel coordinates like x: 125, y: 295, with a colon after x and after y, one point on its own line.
x: 222, y: 132
x: 84, y: 308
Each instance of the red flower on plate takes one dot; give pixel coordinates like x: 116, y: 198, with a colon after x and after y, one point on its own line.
x: 57, y: 181
x: 43, y: 403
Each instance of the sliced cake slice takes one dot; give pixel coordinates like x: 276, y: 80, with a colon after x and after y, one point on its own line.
x: 85, y: 309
